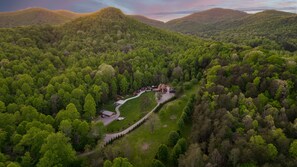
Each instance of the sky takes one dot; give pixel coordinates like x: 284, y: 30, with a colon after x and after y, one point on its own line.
x: 163, y: 10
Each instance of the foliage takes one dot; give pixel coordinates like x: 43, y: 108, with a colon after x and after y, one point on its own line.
x: 53, y: 78
x: 163, y: 153
x: 56, y: 151
x: 173, y: 138
x: 118, y: 162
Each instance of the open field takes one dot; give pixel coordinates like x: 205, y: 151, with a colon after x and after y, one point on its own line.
x: 133, y: 110
x: 141, y: 145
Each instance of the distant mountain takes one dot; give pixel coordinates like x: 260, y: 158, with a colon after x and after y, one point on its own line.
x: 203, y: 19
x: 270, y: 29
x: 151, y: 22
x: 70, y: 14
x: 36, y: 16
x: 110, y: 29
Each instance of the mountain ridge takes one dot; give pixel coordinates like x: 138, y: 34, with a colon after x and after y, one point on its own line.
x: 36, y: 16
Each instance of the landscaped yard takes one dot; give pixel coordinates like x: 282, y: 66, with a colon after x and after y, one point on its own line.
x: 132, y: 111
x: 141, y: 145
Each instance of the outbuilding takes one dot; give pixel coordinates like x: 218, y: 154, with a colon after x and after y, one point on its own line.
x: 105, y: 113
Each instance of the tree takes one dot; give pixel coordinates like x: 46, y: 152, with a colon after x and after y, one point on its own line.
x: 33, y: 139
x: 183, y: 144
x: 124, y: 85
x: 107, y: 163
x: 106, y: 71
x: 177, y: 73
x: 181, y: 124
x: 216, y: 157
x: 272, y: 151
x: 97, y: 93
x: 13, y: 164
x: 29, y: 113
x: 138, y: 79
x: 173, y: 138
x: 70, y: 113
x: 113, y: 88
x: 192, y: 158
x: 293, y: 149
x: 3, y: 137
x: 257, y: 140
x: 176, y: 151
x: 89, y: 107
x: 66, y: 127
x: 157, y: 163
x: 81, y: 131
x: 27, y: 160
x: 163, y: 153
x: 2, y: 107
x: 234, y: 156
x: 118, y: 162
x: 97, y: 130
x: 56, y: 151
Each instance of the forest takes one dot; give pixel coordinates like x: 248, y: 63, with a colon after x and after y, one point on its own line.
x: 54, y: 79
x: 269, y: 29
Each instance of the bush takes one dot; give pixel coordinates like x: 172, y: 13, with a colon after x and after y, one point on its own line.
x: 173, y: 138
x: 157, y: 163
x: 187, y: 85
x: 163, y: 153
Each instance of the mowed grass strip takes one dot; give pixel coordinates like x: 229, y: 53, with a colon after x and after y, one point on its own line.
x: 141, y: 145
x: 133, y: 110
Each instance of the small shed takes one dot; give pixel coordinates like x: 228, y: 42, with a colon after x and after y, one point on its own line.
x: 106, y: 113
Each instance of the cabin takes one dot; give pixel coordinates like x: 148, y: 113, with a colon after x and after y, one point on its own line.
x: 105, y: 113
x: 161, y: 88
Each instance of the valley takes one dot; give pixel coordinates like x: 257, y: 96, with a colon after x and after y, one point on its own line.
x: 76, y: 89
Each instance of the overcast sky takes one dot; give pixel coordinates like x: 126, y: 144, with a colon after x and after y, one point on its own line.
x: 157, y: 9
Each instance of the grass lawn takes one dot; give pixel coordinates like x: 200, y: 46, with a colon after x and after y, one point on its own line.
x: 141, y: 145
x: 133, y: 110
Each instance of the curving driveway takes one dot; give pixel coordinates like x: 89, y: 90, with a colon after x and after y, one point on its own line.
x: 106, y: 121
x: 165, y: 97
x: 110, y: 137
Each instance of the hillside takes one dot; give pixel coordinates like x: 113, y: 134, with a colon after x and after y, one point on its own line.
x: 235, y: 105
x: 148, y: 21
x: 54, y: 79
x: 270, y: 29
x: 198, y: 21
x: 69, y: 14
x: 35, y: 16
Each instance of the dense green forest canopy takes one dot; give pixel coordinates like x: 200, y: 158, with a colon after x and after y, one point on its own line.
x: 54, y: 78
x: 36, y: 16
x: 269, y: 29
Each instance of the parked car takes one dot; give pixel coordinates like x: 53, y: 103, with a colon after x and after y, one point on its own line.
x: 120, y: 118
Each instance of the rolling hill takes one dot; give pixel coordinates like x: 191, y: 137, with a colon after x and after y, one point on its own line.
x: 198, y: 21
x: 242, y: 110
x: 100, y: 56
x: 151, y: 22
x: 36, y: 16
x: 270, y: 29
